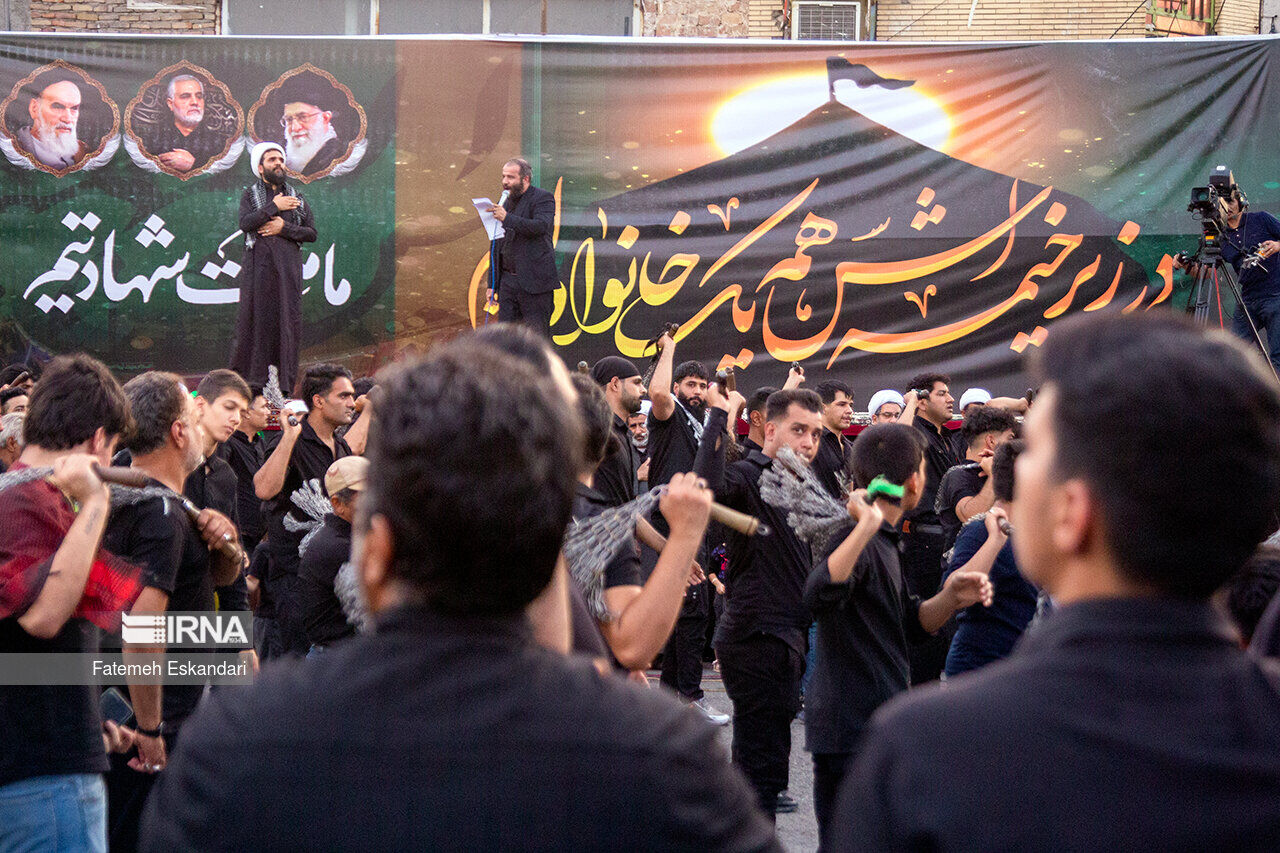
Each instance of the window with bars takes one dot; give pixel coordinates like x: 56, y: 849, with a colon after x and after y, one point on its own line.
x: 826, y: 20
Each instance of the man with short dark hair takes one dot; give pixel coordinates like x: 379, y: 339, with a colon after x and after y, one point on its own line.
x: 58, y: 587
x: 987, y: 634
x: 469, y: 735
x: 676, y: 415
x: 329, y: 548
x: 623, y: 387
x: 832, y: 462
x: 929, y: 407
x: 304, y: 453
x: 761, y: 639
x: 967, y: 489
x: 180, y: 572
x: 522, y: 272
x: 863, y: 611
x: 13, y: 400
x: 1130, y: 719
x: 754, y: 412
x: 244, y: 452
x: 221, y: 399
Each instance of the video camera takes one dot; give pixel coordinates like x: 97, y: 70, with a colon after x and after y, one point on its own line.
x: 1210, y: 203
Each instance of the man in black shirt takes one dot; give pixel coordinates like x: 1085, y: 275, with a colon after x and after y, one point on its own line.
x: 244, y: 452
x: 447, y: 726
x: 635, y: 615
x: 1129, y: 719
x: 181, y: 139
x: 864, y: 611
x: 179, y: 573
x: 929, y: 407
x: 831, y: 465
x: 761, y: 639
x: 756, y: 419
x: 51, y: 791
x: 622, y: 386
x: 304, y: 453
x: 678, y: 399
x: 966, y: 489
x: 221, y: 399
x: 322, y: 615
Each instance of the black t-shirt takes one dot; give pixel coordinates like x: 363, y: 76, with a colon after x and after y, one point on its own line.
x: 863, y: 628
x: 616, y: 476
x: 672, y: 448
x: 939, y: 457
x: 624, y: 569
x: 765, y: 581
x: 214, y: 486
x: 50, y: 730
x: 322, y: 614
x: 310, y: 458
x: 157, y: 535
x: 245, y: 456
x: 960, y: 482
x: 831, y: 464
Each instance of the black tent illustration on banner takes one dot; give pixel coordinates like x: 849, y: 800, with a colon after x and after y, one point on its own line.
x: 916, y: 260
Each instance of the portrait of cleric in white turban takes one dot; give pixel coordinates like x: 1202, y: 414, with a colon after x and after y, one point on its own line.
x: 184, y: 122
x: 58, y: 119
x: 316, y: 119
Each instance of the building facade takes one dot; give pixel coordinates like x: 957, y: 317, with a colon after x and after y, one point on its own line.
x: 841, y: 20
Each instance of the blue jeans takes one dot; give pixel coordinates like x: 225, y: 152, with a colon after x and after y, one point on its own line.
x: 1266, y: 316
x: 54, y: 813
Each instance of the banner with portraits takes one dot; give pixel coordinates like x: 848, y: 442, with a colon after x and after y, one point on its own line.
x: 866, y: 210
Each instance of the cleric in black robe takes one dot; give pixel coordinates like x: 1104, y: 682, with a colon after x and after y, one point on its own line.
x: 269, y: 323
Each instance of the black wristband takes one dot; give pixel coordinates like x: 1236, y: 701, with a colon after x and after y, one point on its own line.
x: 156, y: 732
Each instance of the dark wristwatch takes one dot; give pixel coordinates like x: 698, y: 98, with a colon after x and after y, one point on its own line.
x: 156, y: 732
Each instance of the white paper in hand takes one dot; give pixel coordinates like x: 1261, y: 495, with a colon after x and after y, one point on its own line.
x: 491, y: 224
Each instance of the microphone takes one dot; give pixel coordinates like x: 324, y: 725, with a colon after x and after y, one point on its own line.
x: 502, y: 199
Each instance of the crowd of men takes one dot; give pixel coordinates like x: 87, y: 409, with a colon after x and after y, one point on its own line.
x: 446, y: 665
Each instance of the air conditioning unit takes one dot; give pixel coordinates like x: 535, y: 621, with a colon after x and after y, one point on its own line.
x: 826, y: 20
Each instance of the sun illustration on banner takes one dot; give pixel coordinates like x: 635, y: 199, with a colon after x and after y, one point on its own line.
x: 758, y: 112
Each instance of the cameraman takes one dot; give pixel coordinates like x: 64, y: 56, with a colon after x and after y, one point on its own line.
x: 1259, y: 283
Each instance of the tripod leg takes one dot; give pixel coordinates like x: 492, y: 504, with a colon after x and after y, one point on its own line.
x: 1234, y: 284
x: 1198, y: 304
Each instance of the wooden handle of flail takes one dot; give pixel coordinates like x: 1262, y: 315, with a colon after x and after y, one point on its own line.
x: 226, y: 546
x: 138, y: 480
x: 748, y: 525
x: 121, y: 476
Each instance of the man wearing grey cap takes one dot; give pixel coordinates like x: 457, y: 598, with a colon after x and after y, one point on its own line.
x: 276, y: 222
x: 623, y: 386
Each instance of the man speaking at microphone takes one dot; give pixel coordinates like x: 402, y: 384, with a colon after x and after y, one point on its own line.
x: 524, y: 276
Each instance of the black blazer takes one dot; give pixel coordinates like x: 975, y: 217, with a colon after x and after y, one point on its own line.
x: 445, y: 733
x: 527, y: 243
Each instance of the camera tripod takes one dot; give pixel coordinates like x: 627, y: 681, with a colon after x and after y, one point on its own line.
x: 1211, y: 272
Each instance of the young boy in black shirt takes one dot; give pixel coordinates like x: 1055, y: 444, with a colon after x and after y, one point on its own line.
x: 864, y: 610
